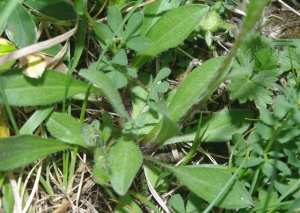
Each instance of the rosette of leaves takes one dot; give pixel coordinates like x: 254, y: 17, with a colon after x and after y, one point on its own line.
x: 126, y: 36
x: 211, y: 23
x: 256, y: 71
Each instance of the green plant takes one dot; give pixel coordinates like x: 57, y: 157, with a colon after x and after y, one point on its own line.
x: 145, y: 115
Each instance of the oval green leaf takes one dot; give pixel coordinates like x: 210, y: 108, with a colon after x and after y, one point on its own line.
x: 221, y: 126
x: 20, y: 27
x: 138, y: 43
x: 208, y: 182
x: 107, y: 88
x: 67, y: 129
x: 59, y: 10
x: 21, y: 150
x: 125, y: 160
x: 193, y: 86
x: 155, y: 10
x: 23, y: 91
x: 170, y: 30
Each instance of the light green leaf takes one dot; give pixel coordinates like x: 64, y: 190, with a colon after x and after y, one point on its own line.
x: 193, y: 204
x: 36, y: 119
x: 20, y: 28
x: 130, y: 202
x: 114, y: 19
x: 138, y: 43
x: 162, y: 74
x: 80, y: 6
x: 66, y: 128
x: 23, y: 91
x: 208, y: 182
x: 134, y: 23
x: 281, y: 166
x: 59, y: 10
x: 107, y: 88
x: 162, y: 87
x: 177, y: 203
x: 170, y: 30
x: 120, y: 58
x: 6, y: 9
x: 295, y: 207
x: 54, y: 50
x: 153, y: 173
x: 154, y: 11
x: 106, y: 127
x: 243, y: 88
x: 103, y: 32
x: 21, y: 150
x: 193, y: 86
x: 265, y: 131
x: 125, y: 160
x: 101, y: 170
x: 119, y: 79
x: 220, y: 126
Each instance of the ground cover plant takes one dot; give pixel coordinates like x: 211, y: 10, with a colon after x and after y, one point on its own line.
x: 106, y: 107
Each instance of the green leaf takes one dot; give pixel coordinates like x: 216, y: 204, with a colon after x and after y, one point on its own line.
x: 177, y: 203
x: 119, y: 79
x: 268, y: 169
x: 130, y: 202
x: 36, y: 119
x: 6, y: 9
x: 162, y: 74
x: 8, y: 201
x: 170, y: 30
x: 54, y: 50
x: 162, y: 87
x: 190, y: 90
x: 254, y: 89
x: 80, y: 6
x: 107, y: 88
x: 220, y: 126
x: 282, y: 107
x: 154, y: 11
x: 138, y: 43
x: 114, y: 19
x: 119, y: 3
x: 295, y: 207
x: 20, y: 28
x: 166, y: 123
x: 125, y: 160
x: 103, y: 32
x: 23, y: 91
x: 59, y: 10
x: 193, y: 204
x: 106, y: 127
x: 67, y: 129
x: 21, y: 150
x: 120, y: 58
x: 208, y: 182
x: 101, y: 170
x: 265, y: 131
x: 281, y: 166
x: 134, y: 23
x: 153, y: 173
x: 266, y: 117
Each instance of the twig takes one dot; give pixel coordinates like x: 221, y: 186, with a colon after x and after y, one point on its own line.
x: 290, y: 8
